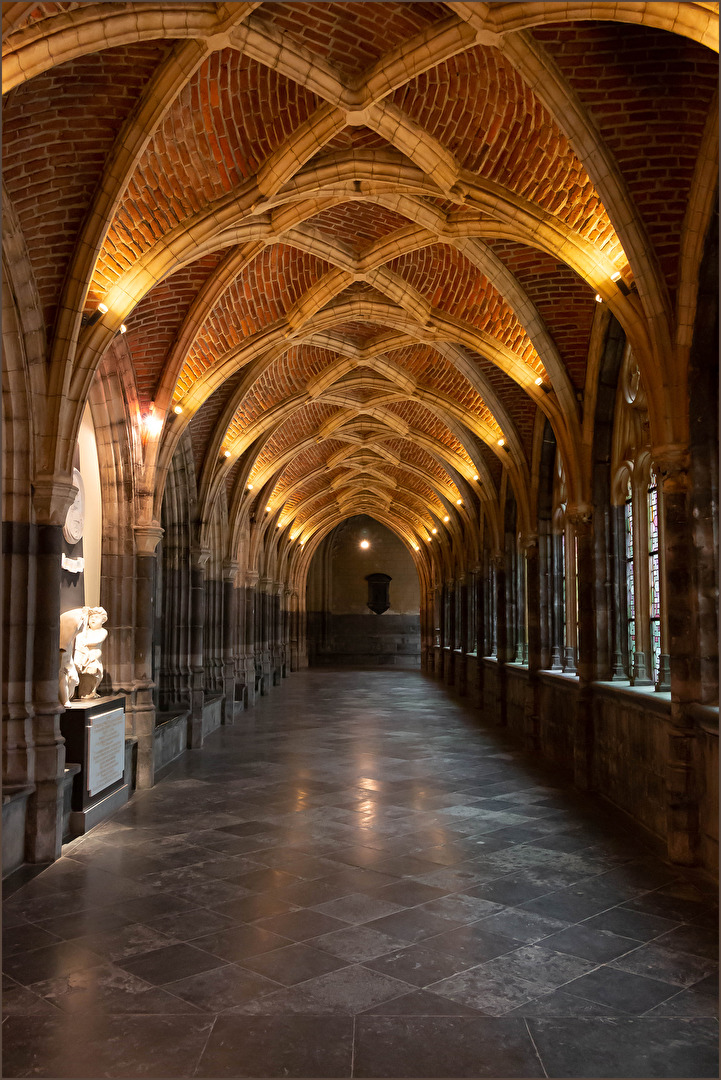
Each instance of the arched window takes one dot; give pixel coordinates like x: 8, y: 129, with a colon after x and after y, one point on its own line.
x: 565, y: 584
x: 643, y: 658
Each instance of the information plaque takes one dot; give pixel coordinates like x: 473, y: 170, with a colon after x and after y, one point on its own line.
x: 106, y: 750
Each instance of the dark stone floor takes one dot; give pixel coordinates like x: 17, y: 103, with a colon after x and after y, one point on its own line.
x: 358, y: 879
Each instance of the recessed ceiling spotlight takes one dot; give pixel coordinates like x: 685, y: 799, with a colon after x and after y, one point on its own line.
x: 475, y: 477
x: 267, y: 509
x: 178, y: 410
x: 364, y: 544
x: 250, y: 487
x: 459, y: 502
x: 446, y: 518
x: 434, y: 531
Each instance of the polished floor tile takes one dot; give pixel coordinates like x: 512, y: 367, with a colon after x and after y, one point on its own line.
x: 358, y: 879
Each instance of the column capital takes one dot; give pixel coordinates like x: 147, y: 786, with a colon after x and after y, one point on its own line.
x: 52, y: 498
x: 230, y: 571
x: 251, y: 578
x: 267, y: 584
x: 580, y: 516
x: 199, y: 557
x: 497, y: 560
x: 673, y: 462
x: 528, y: 540
x: 147, y: 538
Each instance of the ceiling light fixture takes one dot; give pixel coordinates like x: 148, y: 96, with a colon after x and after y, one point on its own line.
x: 226, y: 453
x: 501, y: 442
x: 539, y: 381
x: 475, y: 477
x: 178, y: 410
x: 250, y: 487
x: 434, y: 531
x: 459, y: 502
x: 267, y: 509
x: 599, y: 298
x: 364, y: 544
x: 446, y: 518
x: 615, y: 275
x: 123, y: 328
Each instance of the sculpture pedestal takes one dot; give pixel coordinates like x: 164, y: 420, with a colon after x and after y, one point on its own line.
x: 94, y: 733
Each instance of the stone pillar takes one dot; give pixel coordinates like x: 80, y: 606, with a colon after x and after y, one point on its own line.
x: 265, y: 603
x: 498, y: 562
x: 581, y: 520
x: 682, y: 794
x: 230, y: 626
x: 461, y: 672
x: 532, y: 710
x: 141, y: 706
x: 449, y: 643
x: 251, y: 595
x: 198, y: 559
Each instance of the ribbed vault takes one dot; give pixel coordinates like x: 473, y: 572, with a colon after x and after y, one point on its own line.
x: 359, y: 250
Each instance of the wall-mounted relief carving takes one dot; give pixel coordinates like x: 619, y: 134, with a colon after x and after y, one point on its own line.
x: 75, y: 517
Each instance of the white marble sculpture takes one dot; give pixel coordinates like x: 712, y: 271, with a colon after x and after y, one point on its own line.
x: 89, y: 649
x: 71, y: 623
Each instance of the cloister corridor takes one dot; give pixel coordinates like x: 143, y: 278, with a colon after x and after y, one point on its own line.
x: 361, y: 877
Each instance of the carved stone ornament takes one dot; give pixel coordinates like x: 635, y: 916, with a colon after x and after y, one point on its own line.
x: 75, y: 517
x: 71, y: 623
x: 88, y: 651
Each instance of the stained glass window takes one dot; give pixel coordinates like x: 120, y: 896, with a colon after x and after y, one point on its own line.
x: 654, y: 578
x: 630, y: 591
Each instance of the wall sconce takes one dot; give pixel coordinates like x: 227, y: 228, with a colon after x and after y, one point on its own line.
x: 90, y: 320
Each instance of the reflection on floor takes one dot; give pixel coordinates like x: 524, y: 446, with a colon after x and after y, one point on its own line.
x: 358, y: 879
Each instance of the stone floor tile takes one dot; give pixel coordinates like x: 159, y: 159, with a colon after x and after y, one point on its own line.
x: 522, y: 926
x: 634, y: 924
x: 471, y: 943
x: 253, y: 907
x: 293, y: 963
x: 347, y: 991
x: 638, y: 1047
x: 49, y: 961
x: 669, y: 965
x: 419, y: 965
x: 420, y: 1003
x: 112, y: 1046
x: 443, y: 1046
x: 627, y: 992
x: 278, y: 1046
x: 170, y: 963
x: 489, y: 993
x: 358, y: 908
x: 108, y: 988
x: 222, y: 988
x: 597, y: 945
x: 301, y: 925
x: 459, y: 908
x: 356, y: 944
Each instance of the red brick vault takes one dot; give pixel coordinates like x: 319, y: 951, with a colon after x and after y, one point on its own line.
x: 344, y: 258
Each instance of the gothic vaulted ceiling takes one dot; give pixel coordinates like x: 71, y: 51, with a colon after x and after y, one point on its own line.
x: 358, y: 249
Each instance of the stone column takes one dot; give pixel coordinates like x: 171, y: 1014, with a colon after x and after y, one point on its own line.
x: 141, y: 704
x: 251, y: 645
x: 36, y: 749
x: 230, y: 650
x: 265, y: 598
x: 682, y: 794
x: 581, y: 520
x: 498, y: 563
x: 461, y: 673
x: 532, y: 711
x: 198, y: 559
